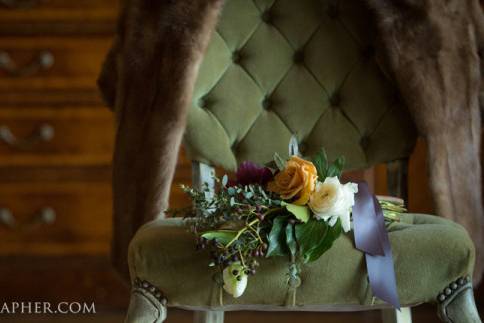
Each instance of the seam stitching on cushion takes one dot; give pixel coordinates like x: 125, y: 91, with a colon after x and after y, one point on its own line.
x: 243, y: 67
x: 353, y: 37
x: 273, y: 111
x: 317, y: 121
x: 219, y: 123
x: 361, y: 45
x: 316, y: 29
x: 310, y: 39
x: 380, y: 120
x: 340, y: 87
x: 223, y: 73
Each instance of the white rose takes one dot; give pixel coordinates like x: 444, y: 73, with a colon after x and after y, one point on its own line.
x: 235, y: 279
x: 332, y: 200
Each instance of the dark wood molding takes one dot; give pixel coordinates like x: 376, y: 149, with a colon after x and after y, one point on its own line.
x: 59, y: 28
x: 56, y: 174
x: 74, y: 278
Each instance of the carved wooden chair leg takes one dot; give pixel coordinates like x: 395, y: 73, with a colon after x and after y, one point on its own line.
x: 208, y: 317
x: 456, y: 303
x: 395, y: 316
x: 147, y: 305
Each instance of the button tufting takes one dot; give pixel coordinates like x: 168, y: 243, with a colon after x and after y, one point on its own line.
x: 204, y: 102
x: 335, y: 100
x: 365, y: 142
x: 299, y: 56
x: 368, y: 52
x: 267, y: 103
x: 237, y: 57
x: 267, y: 17
x: 333, y: 10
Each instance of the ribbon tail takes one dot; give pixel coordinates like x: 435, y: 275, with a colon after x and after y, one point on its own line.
x: 369, y: 229
x: 383, y: 267
x: 365, y: 224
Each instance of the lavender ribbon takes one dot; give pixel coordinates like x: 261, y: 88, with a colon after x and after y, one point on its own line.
x: 371, y: 237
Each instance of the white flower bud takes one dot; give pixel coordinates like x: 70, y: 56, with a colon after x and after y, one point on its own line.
x: 235, y: 279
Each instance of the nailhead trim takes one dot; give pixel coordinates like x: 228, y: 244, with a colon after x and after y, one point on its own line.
x: 452, y: 288
x: 151, y: 289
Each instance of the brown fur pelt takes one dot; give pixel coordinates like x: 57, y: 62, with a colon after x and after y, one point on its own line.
x: 432, y: 49
x: 148, y: 76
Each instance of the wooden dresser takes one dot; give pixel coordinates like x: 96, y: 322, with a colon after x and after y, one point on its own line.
x: 56, y: 142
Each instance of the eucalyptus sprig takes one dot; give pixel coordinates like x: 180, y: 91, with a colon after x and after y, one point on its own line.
x: 233, y: 222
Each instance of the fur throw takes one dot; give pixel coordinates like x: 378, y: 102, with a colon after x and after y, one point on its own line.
x: 430, y: 46
x: 151, y: 94
x: 432, y: 50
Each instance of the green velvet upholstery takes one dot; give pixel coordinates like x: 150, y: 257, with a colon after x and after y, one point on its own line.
x: 429, y: 253
x: 278, y: 67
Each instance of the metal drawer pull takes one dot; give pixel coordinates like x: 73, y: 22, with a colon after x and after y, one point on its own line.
x: 46, y: 216
x: 43, y: 133
x: 43, y: 61
x: 20, y: 4
x: 6, y: 218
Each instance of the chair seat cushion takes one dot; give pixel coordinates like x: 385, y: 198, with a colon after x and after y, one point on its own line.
x: 429, y: 253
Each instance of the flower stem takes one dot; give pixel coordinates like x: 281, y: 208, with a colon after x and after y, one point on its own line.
x: 241, y: 231
x: 241, y: 258
x: 257, y: 235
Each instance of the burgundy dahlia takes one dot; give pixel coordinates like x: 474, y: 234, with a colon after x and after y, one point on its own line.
x: 251, y: 173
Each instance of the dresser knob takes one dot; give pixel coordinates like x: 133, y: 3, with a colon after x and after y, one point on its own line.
x: 6, y: 218
x: 42, y: 62
x: 44, y: 133
x: 20, y: 4
x: 47, y: 215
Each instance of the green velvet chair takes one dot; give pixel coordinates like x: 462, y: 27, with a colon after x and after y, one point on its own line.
x: 275, y: 68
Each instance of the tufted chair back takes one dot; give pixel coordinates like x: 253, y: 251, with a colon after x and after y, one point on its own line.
x: 280, y: 67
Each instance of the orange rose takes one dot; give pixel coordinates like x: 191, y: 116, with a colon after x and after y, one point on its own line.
x: 297, y: 180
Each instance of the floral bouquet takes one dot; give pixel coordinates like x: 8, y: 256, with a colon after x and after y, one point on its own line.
x: 295, y: 208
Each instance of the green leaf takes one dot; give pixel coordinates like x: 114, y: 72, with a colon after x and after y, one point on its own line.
x: 223, y: 237
x: 309, y: 235
x: 280, y: 163
x: 300, y: 212
x: 225, y: 180
x: 320, y: 161
x: 276, y: 239
x: 336, y: 168
x: 291, y: 239
x: 272, y: 165
x: 326, y: 169
x: 325, y: 244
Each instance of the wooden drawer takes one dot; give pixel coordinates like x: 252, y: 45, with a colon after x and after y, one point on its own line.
x: 47, y: 65
x: 55, y: 218
x: 57, y: 16
x: 56, y: 137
